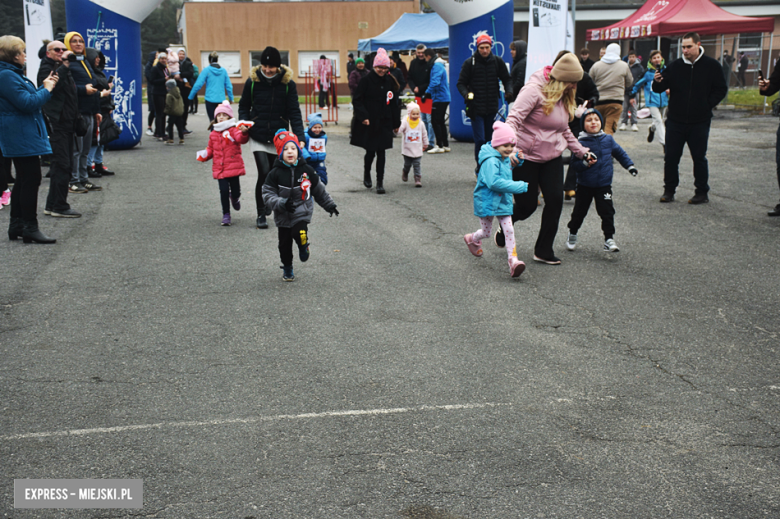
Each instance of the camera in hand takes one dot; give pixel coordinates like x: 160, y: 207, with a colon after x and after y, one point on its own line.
x: 74, y: 57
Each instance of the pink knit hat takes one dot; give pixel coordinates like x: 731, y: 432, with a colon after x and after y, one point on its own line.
x: 381, y: 59
x: 224, y: 108
x: 502, y: 134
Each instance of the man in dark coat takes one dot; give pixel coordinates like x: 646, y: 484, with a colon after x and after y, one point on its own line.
x: 585, y: 60
x: 744, y: 61
x: 150, y: 90
x: 350, y: 63
x: 417, y: 80
x: 726, y: 63
x: 61, y: 112
x: 187, y: 75
x: 519, y: 58
x: 696, y: 86
x: 478, y: 84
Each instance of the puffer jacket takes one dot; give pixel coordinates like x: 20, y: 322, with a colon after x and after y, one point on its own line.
x: 224, y: 147
x: 495, y: 187
x: 22, y: 128
x: 217, y: 83
x: 651, y: 98
x: 284, y: 182
x: 604, y: 147
x: 83, y: 75
x: 439, y: 87
x: 315, y: 147
x: 174, y: 104
x: 480, y: 76
x: 542, y: 138
x: 271, y: 105
x: 517, y: 73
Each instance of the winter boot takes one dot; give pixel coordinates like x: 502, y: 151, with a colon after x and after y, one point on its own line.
x: 367, y: 179
x: 16, y: 228
x: 380, y: 189
x: 31, y: 233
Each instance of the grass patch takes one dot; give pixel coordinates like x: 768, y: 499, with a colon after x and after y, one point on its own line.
x: 748, y: 97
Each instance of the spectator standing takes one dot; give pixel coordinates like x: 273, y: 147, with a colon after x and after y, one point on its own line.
x: 478, y: 84
x: 350, y: 63
x: 270, y: 100
x: 613, y: 78
x: 397, y: 74
x: 356, y: 75
x: 585, y: 62
x: 174, y: 109
x: 696, y: 85
x: 744, y: 61
x: 418, y: 78
x: 95, y: 166
x: 217, y: 84
x: 630, y: 98
x: 377, y: 116
x: 150, y: 63
x: 655, y: 102
x: 158, y: 77
x: 89, y: 108
x: 519, y: 59
x: 187, y: 73
x: 23, y: 137
x: 61, y: 111
x: 439, y: 92
x: 769, y: 87
x: 726, y: 62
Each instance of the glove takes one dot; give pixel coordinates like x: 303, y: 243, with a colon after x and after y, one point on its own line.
x: 633, y: 171
x: 333, y: 211
x: 289, y: 205
x: 589, y: 156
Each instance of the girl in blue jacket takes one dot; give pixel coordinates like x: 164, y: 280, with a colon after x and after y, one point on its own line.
x: 217, y: 83
x: 493, y: 194
x: 655, y: 102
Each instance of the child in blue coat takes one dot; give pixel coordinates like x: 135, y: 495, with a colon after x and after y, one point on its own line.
x: 316, y: 139
x: 493, y: 194
x: 594, y: 179
x: 654, y: 101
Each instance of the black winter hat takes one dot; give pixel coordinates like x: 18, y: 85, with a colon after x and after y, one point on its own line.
x: 271, y: 57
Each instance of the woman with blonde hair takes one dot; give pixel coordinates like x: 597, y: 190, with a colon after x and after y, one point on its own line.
x: 23, y: 137
x: 540, y: 119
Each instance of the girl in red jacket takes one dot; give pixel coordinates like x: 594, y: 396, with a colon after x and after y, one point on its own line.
x: 224, y: 147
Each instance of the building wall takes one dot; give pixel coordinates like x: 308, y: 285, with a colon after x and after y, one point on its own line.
x: 292, y: 26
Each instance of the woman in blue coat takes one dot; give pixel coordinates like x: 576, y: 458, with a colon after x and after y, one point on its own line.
x: 217, y: 83
x: 23, y: 137
x: 439, y: 92
x: 655, y: 102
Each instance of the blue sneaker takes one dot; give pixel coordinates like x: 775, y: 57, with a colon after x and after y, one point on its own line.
x: 304, y: 252
x: 288, y: 273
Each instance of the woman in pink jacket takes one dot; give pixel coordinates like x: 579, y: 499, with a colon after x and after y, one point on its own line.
x: 224, y: 147
x: 540, y: 118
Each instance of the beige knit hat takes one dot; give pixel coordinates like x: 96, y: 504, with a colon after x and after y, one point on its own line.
x: 567, y: 69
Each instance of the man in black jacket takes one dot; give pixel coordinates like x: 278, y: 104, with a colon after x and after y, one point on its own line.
x: 187, y: 74
x: 417, y: 80
x: 696, y: 85
x: 519, y: 59
x: 585, y: 60
x: 60, y: 111
x: 478, y: 84
x: 769, y: 88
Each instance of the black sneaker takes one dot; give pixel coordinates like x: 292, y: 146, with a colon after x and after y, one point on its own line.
x: 547, y: 261
x: 499, y: 239
x: 77, y: 188
x: 699, y: 199
x: 261, y: 222
x: 304, y: 252
x: 650, y: 134
x: 67, y: 213
x: 380, y: 190
x: 775, y: 212
x: 89, y: 186
x: 288, y: 273
x: 667, y: 197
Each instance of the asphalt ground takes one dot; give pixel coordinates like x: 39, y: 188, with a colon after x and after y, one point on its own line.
x: 399, y: 376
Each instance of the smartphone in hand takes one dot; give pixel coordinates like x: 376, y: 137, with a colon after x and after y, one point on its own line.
x: 111, y: 79
x: 760, y: 75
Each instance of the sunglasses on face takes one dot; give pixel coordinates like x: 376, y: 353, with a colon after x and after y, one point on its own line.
x: 58, y: 49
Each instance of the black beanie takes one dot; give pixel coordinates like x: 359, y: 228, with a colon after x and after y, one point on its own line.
x: 271, y: 57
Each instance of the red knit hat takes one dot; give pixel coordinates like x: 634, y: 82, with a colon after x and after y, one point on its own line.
x: 281, y: 139
x: 485, y: 38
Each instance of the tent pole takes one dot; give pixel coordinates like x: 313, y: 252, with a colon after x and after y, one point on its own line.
x: 574, y: 23
x: 659, y: 43
x: 769, y: 62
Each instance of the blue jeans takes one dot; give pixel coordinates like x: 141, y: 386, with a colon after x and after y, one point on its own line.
x: 677, y: 136
x: 426, y: 119
x: 81, y: 152
x: 482, y: 128
x: 95, y: 155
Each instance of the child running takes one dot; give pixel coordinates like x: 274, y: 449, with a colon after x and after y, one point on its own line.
x: 288, y: 190
x: 316, y: 139
x: 224, y: 147
x: 415, y: 140
x: 594, y: 179
x: 493, y: 194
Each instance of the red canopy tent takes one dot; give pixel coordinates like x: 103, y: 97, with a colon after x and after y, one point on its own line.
x: 675, y: 17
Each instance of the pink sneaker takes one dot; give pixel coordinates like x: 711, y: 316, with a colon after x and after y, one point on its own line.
x: 5, y: 198
x: 474, y: 247
x: 516, y: 267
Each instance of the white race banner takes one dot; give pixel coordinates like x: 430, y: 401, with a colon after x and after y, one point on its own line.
x: 458, y: 11
x: 37, y: 27
x: 547, y: 30
x: 137, y: 10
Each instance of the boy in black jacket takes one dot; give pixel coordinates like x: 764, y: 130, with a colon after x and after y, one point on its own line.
x: 696, y: 85
x: 288, y: 190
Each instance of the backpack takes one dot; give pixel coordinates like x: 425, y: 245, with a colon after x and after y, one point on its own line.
x: 197, y: 72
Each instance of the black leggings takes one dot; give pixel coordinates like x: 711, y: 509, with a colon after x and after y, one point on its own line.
x: 24, y: 197
x: 549, y: 177
x: 264, y: 161
x: 380, y: 165
x: 159, y: 116
x: 438, y: 114
x: 5, y: 172
x: 229, y: 187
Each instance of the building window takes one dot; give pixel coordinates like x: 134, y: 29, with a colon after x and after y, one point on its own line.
x: 750, y: 41
x: 307, y: 58
x: 230, y: 61
x: 254, y: 57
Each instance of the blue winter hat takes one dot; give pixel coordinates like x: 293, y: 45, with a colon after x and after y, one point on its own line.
x: 315, y: 118
x: 590, y: 111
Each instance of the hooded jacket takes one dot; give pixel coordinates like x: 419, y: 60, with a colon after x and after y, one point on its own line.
x: 480, y: 76
x: 101, y: 81
x: 217, y: 83
x: 174, y: 104
x: 315, y: 144
x: 187, y: 71
x: 541, y: 137
x: 495, y: 187
x: 224, y: 147
x: 439, y: 87
x: 517, y: 75
x: 284, y: 182
x: 372, y: 102
x: 22, y: 128
x: 63, y: 107
x: 613, y: 78
x: 148, y: 73
x: 605, y: 148
x: 654, y: 99
x: 271, y: 104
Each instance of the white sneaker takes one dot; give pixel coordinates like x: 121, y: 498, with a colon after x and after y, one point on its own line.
x: 571, y: 242
x: 436, y: 149
x: 609, y: 246
x: 622, y: 127
x: 446, y: 149
x: 634, y: 128
x: 149, y: 132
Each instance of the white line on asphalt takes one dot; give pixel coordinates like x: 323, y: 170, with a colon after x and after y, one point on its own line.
x: 357, y: 412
